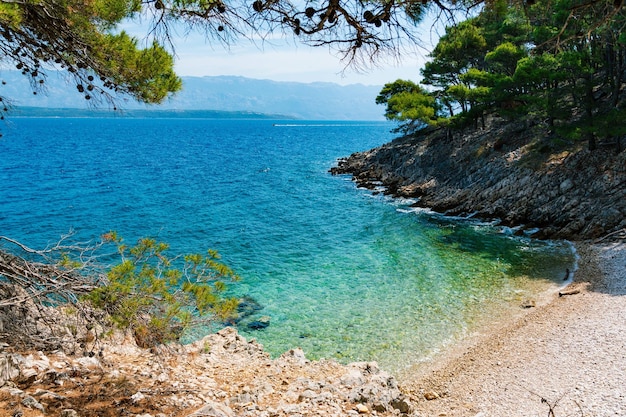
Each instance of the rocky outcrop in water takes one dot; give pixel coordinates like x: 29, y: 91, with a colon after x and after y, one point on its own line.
x: 511, y: 172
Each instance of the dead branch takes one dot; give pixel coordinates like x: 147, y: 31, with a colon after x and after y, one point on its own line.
x: 568, y: 292
x: 56, y: 275
x: 33, y: 282
x: 618, y: 234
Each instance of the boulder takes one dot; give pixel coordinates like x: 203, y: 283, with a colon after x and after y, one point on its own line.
x: 247, y: 306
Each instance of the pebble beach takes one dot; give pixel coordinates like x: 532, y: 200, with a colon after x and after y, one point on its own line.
x: 566, y: 357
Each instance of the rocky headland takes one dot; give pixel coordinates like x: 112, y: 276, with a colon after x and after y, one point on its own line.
x: 513, y: 172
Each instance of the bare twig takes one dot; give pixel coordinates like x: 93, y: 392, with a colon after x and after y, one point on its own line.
x: 32, y: 281
x: 551, y: 405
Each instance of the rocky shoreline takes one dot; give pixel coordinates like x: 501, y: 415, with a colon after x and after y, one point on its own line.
x: 222, y: 375
x: 545, y: 358
x: 506, y: 171
x: 567, y: 353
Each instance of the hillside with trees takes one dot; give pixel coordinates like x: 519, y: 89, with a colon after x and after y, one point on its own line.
x: 550, y: 62
x: 519, y: 116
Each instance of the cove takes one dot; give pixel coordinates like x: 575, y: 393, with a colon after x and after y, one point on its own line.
x: 339, y: 271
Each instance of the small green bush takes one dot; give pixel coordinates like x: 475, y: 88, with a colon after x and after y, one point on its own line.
x: 159, y: 297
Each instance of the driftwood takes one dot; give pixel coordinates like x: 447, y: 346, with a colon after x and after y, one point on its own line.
x: 568, y: 292
x: 618, y: 234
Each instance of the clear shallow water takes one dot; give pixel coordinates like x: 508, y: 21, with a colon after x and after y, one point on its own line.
x: 341, y: 273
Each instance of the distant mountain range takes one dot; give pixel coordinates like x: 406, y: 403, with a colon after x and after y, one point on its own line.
x: 312, y: 101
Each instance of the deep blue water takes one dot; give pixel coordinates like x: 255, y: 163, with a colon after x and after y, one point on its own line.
x: 341, y: 272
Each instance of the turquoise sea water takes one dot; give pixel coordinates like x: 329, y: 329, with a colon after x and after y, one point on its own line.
x: 341, y: 272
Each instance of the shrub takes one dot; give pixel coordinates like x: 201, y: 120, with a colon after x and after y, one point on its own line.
x: 158, y: 297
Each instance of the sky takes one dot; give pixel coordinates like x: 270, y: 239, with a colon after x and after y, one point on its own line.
x: 286, y: 60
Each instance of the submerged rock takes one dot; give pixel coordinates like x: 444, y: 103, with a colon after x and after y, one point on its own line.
x: 247, y: 306
x: 260, y: 324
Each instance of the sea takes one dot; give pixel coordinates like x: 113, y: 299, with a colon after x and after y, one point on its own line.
x: 342, y: 272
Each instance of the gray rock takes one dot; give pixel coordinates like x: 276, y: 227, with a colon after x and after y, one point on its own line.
x: 260, y: 324
x: 13, y: 392
x: 241, y: 399
x: 137, y: 397
x: 566, y: 185
x: 307, y: 395
x: 353, y: 378
x: 45, y: 395
x: 89, y: 362
x: 401, y: 404
x: 295, y: 355
x: 32, y: 403
x: 213, y: 409
x: 9, y: 368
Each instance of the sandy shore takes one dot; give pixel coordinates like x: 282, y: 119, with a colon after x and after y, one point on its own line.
x: 567, y: 355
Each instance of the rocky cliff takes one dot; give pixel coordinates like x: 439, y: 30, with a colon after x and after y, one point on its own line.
x: 514, y: 172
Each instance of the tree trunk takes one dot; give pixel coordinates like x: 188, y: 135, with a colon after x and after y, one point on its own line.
x: 589, y: 104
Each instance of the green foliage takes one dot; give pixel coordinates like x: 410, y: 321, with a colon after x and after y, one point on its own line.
x: 398, y: 86
x: 109, y: 12
x: 460, y: 48
x: 80, y: 37
x: 552, y: 61
x: 537, y: 71
x: 473, y: 62
x: 409, y: 104
x: 504, y: 58
x: 10, y: 15
x: 148, y: 72
x: 158, y: 297
x: 607, y: 126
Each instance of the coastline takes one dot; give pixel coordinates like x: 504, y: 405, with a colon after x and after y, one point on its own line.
x: 568, y: 354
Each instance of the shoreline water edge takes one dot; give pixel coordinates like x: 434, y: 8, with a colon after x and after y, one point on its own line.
x: 568, y: 353
x: 564, y: 354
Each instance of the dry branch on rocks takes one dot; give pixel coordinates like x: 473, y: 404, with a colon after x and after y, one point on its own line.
x: 34, y: 282
x: 43, y: 279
